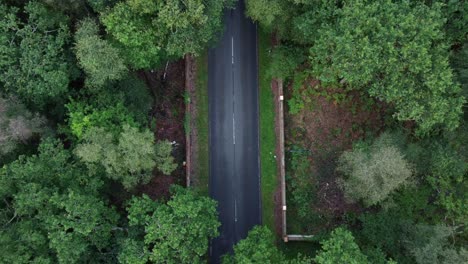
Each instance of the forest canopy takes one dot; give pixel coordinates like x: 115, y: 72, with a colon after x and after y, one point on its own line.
x: 93, y: 130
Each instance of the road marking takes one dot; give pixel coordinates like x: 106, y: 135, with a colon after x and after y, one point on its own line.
x: 233, y: 129
x: 232, y: 49
x: 235, y: 210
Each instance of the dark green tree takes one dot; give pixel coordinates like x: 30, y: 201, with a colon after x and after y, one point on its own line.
x: 176, y: 232
x: 153, y: 31
x: 448, y: 178
x: 341, y: 248
x: 33, y: 62
x: 396, y: 51
x: 51, y: 210
x: 258, y: 247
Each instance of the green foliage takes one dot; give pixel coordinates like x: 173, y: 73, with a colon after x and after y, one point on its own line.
x: 384, y: 230
x: 300, y: 96
x: 101, y: 5
x: 397, y: 52
x: 459, y: 63
x: 340, y: 248
x: 274, y: 15
x: 51, y: 211
x: 164, y: 159
x: 264, y: 12
x: 128, y: 158
x: 285, y: 60
x: 374, y: 171
x: 302, y: 187
x: 176, y: 232
x: 127, y: 102
x: 306, y: 21
x: 258, y: 247
x: 33, y: 62
x: 430, y: 244
x: 83, y: 117
x: 448, y: 178
x: 67, y: 6
x: 153, y: 31
x: 96, y: 56
x: 457, y: 20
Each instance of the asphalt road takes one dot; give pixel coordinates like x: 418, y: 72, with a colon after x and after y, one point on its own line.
x: 234, y: 142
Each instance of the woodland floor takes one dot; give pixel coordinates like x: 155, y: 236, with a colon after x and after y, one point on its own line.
x: 322, y: 130
x: 168, y: 114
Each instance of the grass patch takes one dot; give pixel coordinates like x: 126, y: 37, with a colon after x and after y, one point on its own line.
x: 267, y: 133
x: 201, y: 92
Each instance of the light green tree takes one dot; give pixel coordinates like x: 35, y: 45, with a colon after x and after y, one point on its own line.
x: 98, y: 58
x: 372, y: 172
x: 264, y: 12
x: 176, y: 232
x: 129, y: 158
x: 126, y: 102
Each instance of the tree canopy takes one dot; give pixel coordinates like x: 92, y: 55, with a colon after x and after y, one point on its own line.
x: 129, y: 158
x: 51, y: 209
x: 34, y: 62
x: 340, y: 248
x: 98, y: 58
x: 151, y: 32
x: 397, y: 52
x: 373, y: 172
x: 176, y: 232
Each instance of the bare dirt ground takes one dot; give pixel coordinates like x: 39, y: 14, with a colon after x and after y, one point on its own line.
x: 325, y: 128
x: 168, y: 88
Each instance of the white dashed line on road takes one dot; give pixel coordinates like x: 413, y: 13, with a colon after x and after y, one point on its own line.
x: 233, y: 129
x: 232, y: 49
x: 235, y: 210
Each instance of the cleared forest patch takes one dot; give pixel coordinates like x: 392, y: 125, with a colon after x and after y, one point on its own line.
x: 327, y: 123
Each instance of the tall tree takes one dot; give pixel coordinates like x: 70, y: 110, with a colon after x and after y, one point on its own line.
x: 129, y: 158
x: 96, y: 56
x: 33, y: 63
x: 52, y: 210
x: 176, y: 232
x: 153, y: 31
x: 258, y: 247
x: 373, y: 172
x: 340, y: 248
x: 397, y: 52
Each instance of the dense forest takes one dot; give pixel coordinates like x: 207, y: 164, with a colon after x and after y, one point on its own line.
x: 78, y: 132
x: 376, y: 130
x: 90, y: 173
